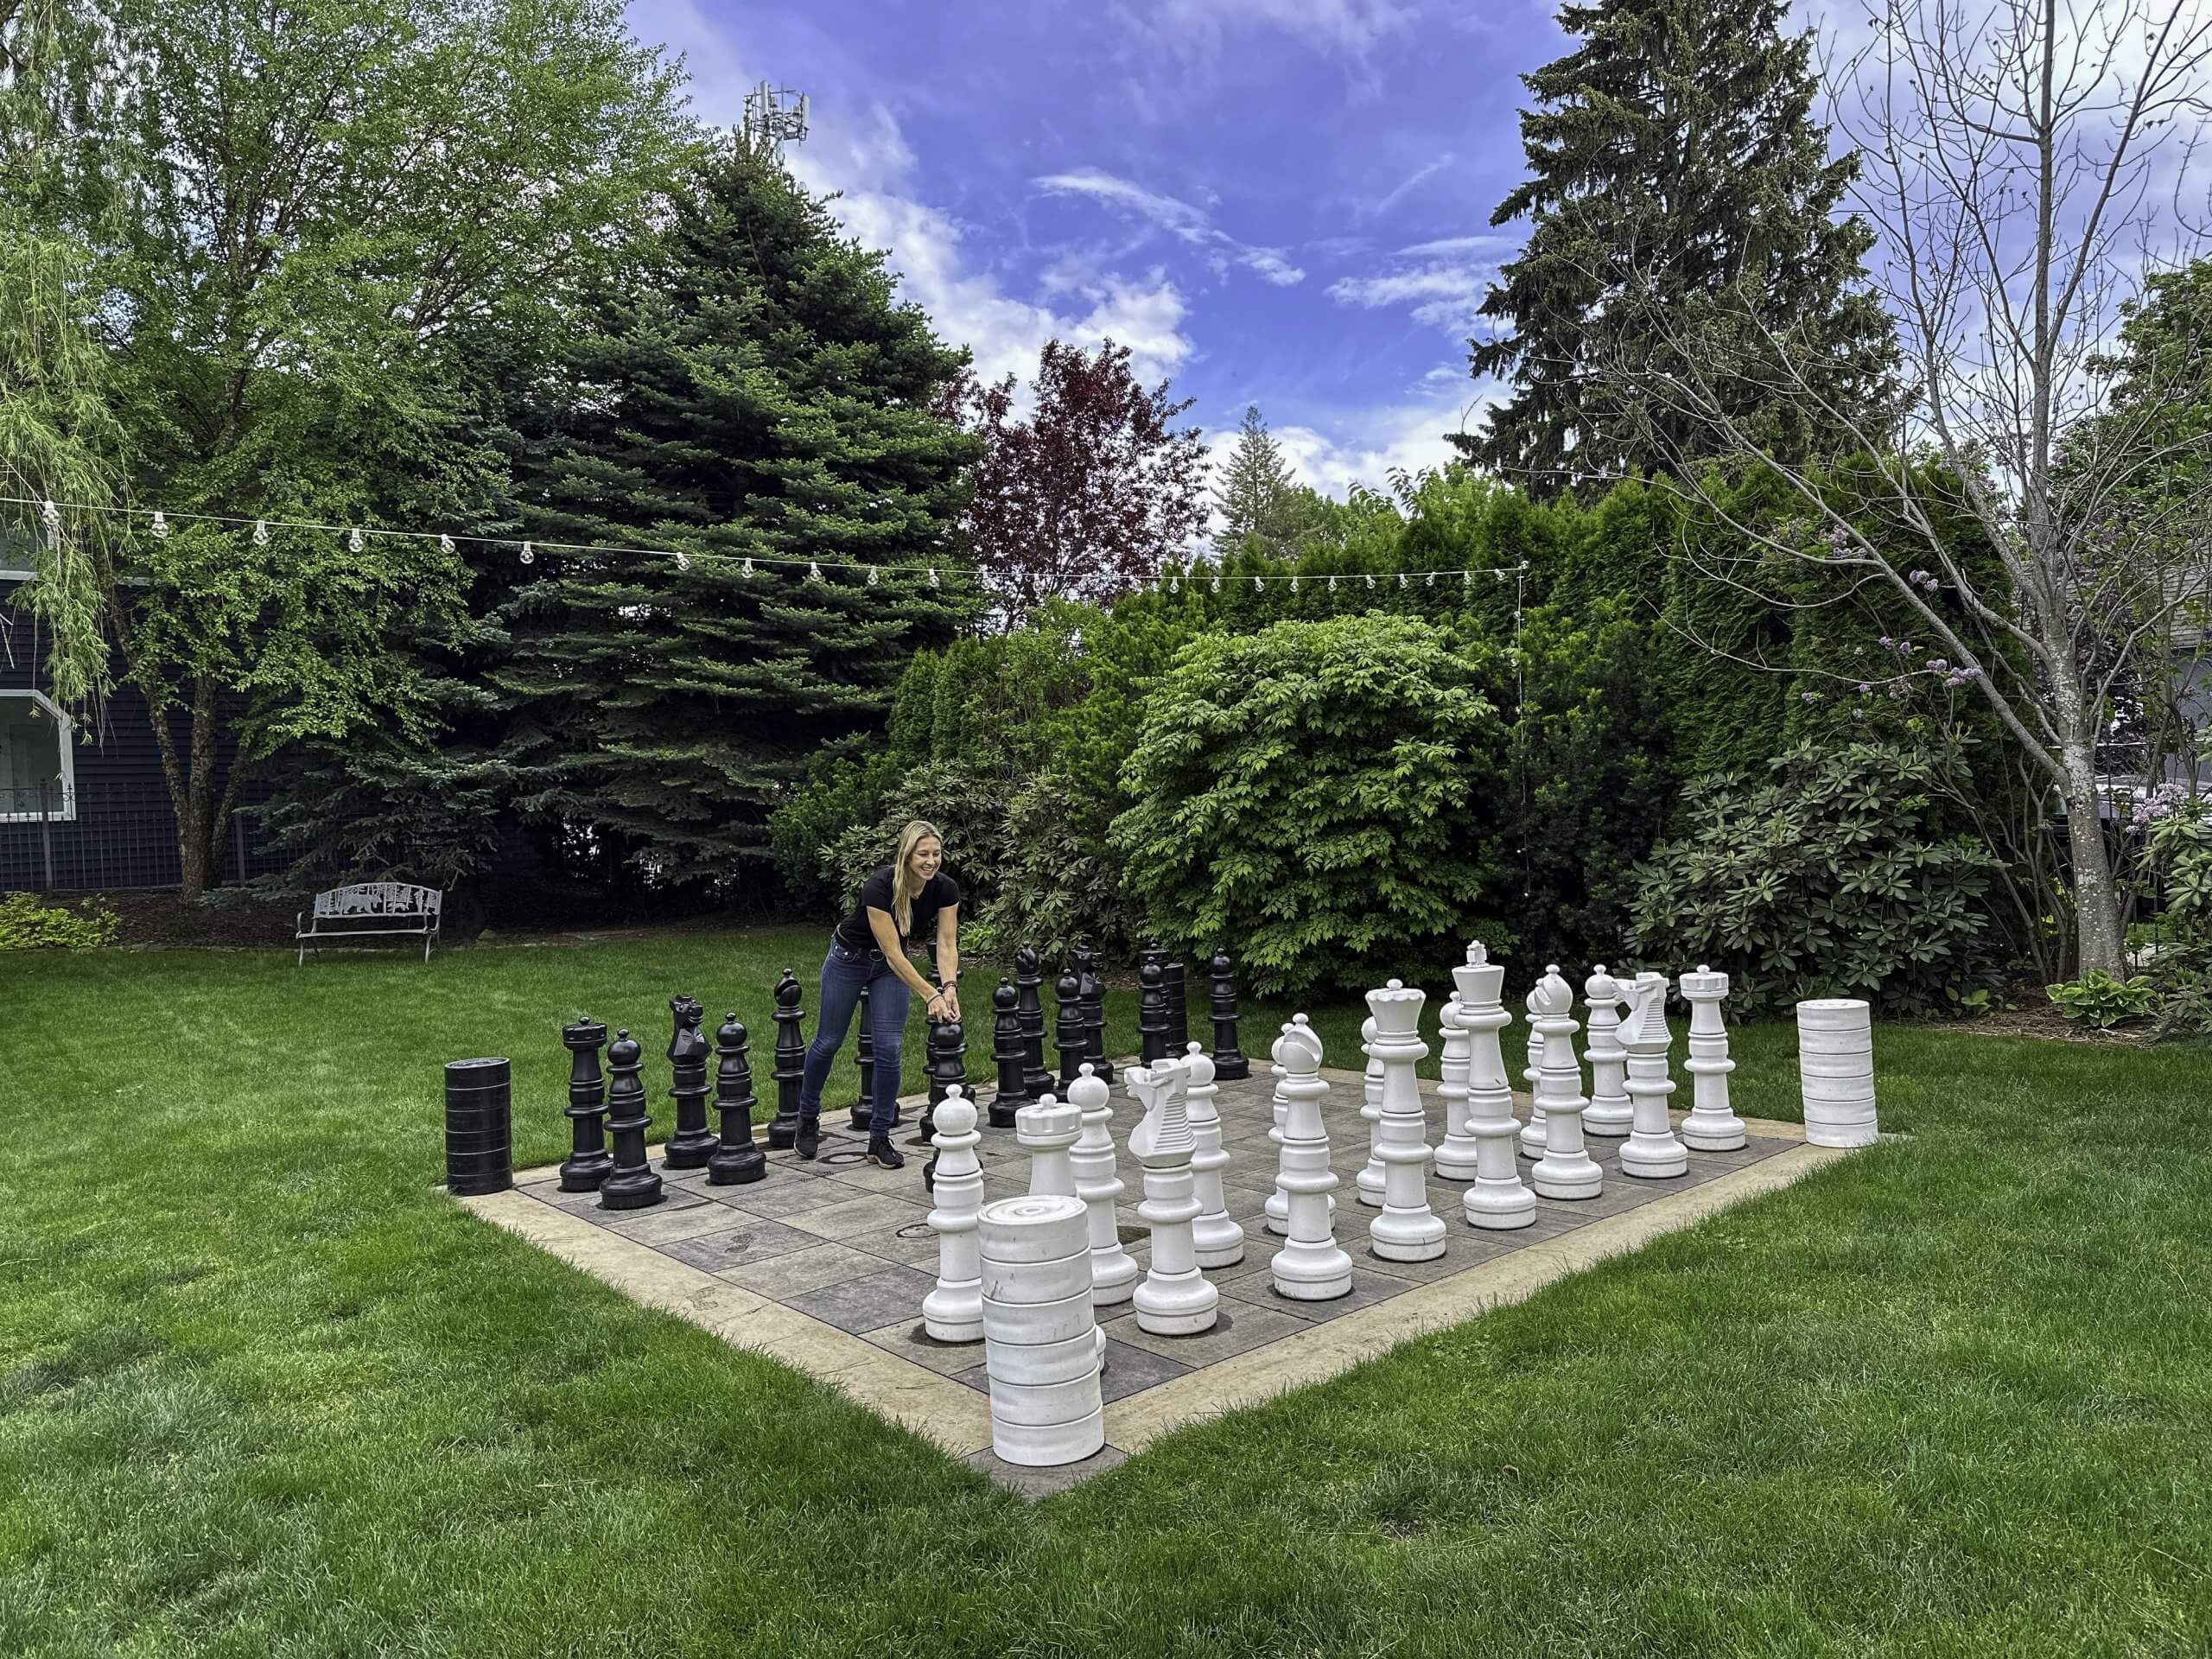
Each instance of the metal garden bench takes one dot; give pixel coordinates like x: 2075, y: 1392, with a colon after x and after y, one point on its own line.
x: 368, y: 909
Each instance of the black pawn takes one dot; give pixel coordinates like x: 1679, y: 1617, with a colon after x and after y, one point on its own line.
x: 588, y: 1161
x: 1152, y: 1013
x: 1070, y: 1028
x: 790, y: 1064
x: 1029, y: 984
x: 1008, y: 1046
x: 737, y: 1161
x: 1229, y: 1064
x: 1178, y: 1007
x: 864, y: 1058
x: 1094, y: 1008
x: 632, y: 1184
x: 693, y: 1143
x: 948, y: 1065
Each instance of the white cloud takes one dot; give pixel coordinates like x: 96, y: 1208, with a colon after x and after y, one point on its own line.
x: 1443, y: 294
x: 1178, y: 218
x: 1445, y: 247
x: 1351, y: 27
x: 1333, y: 450
x: 1411, y: 183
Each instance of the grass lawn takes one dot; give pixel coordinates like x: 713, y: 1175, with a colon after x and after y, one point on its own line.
x: 262, y: 1390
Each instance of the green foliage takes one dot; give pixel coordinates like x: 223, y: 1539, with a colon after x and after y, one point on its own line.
x: 2097, y: 998
x: 2179, y: 854
x: 1306, y: 793
x: 1837, y: 876
x: 27, y: 924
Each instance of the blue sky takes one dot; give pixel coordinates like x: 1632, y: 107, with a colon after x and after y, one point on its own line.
x: 1279, y: 201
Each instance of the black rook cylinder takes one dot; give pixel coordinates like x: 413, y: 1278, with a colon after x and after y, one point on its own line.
x: 479, y: 1112
x: 588, y: 1161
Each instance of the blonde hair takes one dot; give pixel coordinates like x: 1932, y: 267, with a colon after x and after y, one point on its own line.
x: 903, y: 888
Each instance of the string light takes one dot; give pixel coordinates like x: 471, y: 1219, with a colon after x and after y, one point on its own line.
x: 445, y: 545
x: 1371, y: 580
x: 871, y: 574
x: 1403, y: 583
x: 813, y: 572
x: 747, y: 571
x: 528, y: 554
x: 50, y: 516
x: 1294, y: 583
x: 682, y: 560
x: 261, y: 533
x: 1332, y: 584
x: 933, y: 580
x: 161, y: 526
x: 354, y: 542
x: 1216, y: 581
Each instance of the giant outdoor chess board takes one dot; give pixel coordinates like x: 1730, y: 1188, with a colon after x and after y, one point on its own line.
x: 824, y: 1265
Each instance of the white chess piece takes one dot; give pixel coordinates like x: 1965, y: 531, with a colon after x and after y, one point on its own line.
x: 1278, y: 1207
x: 1040, y: 1332
x: 1408, y: 1229
x: 1216, y: 1240
x: 1113, y: 1270
x: 1046, y: 1129
x: 1565, y: 1170
x: 1610, y: 1114
x: 1497, y: 1201
x: 1711, y: 1126
x: 1310, y: 1267
x: 1175, y: 1299
x: 1456, y: 1154
x: 1651, y: 1152
x: 1835, y: 1070
x: 1532, y: 1133
x: 1368, y: 1184
x: 954, y: 1310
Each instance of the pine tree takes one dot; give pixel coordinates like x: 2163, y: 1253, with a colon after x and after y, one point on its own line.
x: 1253, y: 499
x: 750, y: 391
x: 1681, y: 201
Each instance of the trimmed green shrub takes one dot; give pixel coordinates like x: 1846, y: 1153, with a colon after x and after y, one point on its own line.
x: 1306, y: 796
x: 1836, y: 877
x: 2098, y: 1000
x: 27, y: 924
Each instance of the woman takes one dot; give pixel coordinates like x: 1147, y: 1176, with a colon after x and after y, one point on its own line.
x: 910, y: 899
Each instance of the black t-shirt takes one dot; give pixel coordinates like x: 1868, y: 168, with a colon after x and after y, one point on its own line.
x: 854, y: 932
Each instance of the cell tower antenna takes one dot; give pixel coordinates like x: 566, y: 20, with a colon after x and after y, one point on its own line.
x: 774, y: 117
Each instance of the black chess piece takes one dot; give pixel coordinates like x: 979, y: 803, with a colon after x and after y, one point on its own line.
x: 1070, y: 1028
x: 693, y: 1143
x: 737, y: 1161
x: 1009, y: 1047
x: 632, y: 1184
x: 1229, y: 1064
x: 588, y: 1161
x: 1093, y: 994
x: 480, y: 1126
x: 1152, y: 1013
x: 1178, y: 1007
x: 948, y: 1065
x: 790, y: 1064
x: 1029, y: 985
x: 864, y: 1059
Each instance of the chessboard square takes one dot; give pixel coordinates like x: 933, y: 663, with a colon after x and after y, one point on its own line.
x: 862, y: 1214
x: 735, y: 1246
x: 1368, y: 1288
x: 909, y: 1339
x: 870, y: 1302
x: 864, y: 1177
x: 663, y: 1225
x: 619, y: 1220
x: 1131, y: 1369
x: 1465, y: 1247
x: 795, y: 1272
x: 1240, y: 1328
x: 778, y: 1196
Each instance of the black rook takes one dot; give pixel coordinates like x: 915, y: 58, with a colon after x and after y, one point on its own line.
x: 480, y: 1113
x: 588, y: 1161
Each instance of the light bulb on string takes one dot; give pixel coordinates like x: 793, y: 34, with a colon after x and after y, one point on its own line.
x: 682, y: 560
x: 933, y: 580
x: 50, y: 516
x: 529, y: 555
x: 1370, y: 579
x: 871, y: 574
x: 1403, y: 583
x: 353, y: 542
x: 160, y: 526
x: 1216, y: 581
x: 445, y: 545
x: 261, y: 533
x: 748, y: 570
x: 1255, y: 583
x: 813, y: 571
x: 1175, y: 584
x: 1332, y: 584
x: 1294, y: 583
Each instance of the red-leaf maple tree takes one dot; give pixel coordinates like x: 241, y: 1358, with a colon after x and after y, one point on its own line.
x: 1086, y: 496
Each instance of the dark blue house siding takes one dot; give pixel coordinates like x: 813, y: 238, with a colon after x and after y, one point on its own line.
x: 123, y: 832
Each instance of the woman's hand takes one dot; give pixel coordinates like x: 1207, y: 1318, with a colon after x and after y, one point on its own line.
x: 951, y: 995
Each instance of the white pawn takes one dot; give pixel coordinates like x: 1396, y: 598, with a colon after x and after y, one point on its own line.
x: 1175, y: 1299
x: 1497, y: 1201
x: 954, y: 1310
x: 1711, y: 1126
x: 1045, y: 1130
x: 1278, y: 1207
x: 1408, y: 1229
x: 1310, y: 1267
x: 1113, y: 1270
x: 1369, y: 1183
x: 1652, y: 1152
x: 1216, y: 1240
x: 1532, y: 1134
x: 1456, y: 1154
x: 1565, y: 1170
x: 1610, y: 1114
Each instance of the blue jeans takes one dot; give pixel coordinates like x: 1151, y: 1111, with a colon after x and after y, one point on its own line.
x: 843, y: 973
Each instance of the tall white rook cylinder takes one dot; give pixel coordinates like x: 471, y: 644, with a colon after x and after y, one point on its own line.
x: 1836, y: 1067
x: 1040, y: 1338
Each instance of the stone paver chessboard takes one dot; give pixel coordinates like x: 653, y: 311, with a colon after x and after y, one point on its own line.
x: 824, y: 1266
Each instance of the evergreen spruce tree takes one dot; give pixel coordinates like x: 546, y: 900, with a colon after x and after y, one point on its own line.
x: 1252, y: 502
x: 1681, y: 200
x: 751, y: 390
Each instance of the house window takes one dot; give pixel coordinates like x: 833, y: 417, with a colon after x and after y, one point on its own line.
x: 38, y: 767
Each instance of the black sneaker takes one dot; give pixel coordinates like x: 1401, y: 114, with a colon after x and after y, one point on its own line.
x: 883, y: 1155
x: 810, y: 1138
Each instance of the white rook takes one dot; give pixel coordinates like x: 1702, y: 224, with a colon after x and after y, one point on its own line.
x: 1497, y: 1201
x: 1408, y: 1229
x: 1835, y: 1066
x: 1711, y: 1126
x: 1456, y: 1154
x: 1310, y: 1267
x: 1040, y: 1338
